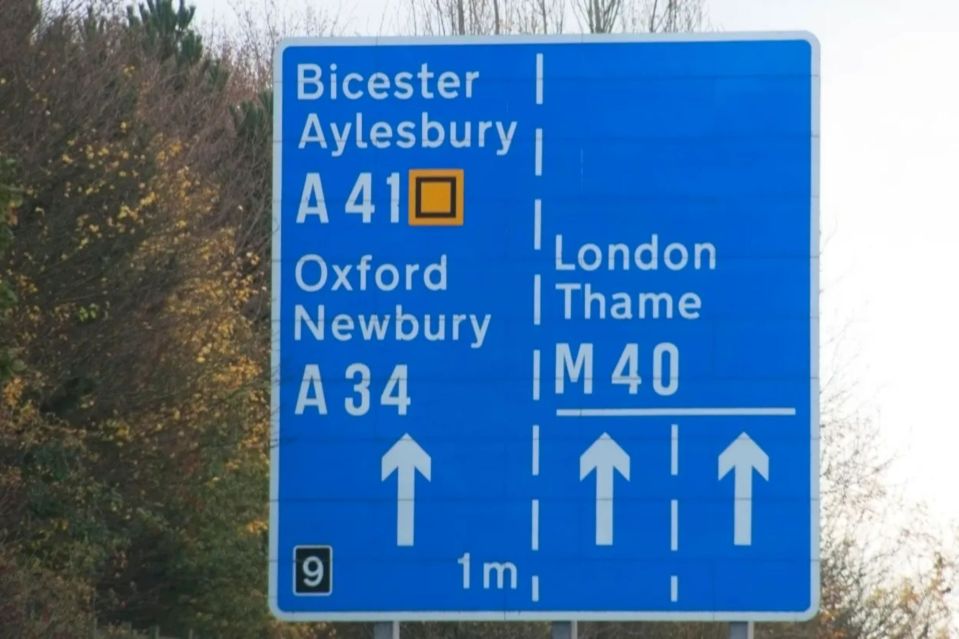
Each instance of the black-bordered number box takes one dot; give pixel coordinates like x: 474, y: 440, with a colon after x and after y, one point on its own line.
x: 436, y: 197
x: 312, y: 570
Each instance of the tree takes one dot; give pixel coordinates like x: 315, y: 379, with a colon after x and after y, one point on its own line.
x: 664, y: 16
x: 493, y: 17
x: 486, y: 17
x: 10, y: 200
x: 136, y: 434
x: 639, y: 16
x: 167, y: 31
x: 599, y: 16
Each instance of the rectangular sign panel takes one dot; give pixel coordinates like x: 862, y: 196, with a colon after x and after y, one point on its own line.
x: 545, y: 329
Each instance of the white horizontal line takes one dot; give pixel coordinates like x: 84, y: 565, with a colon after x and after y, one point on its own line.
x: 773, y: 411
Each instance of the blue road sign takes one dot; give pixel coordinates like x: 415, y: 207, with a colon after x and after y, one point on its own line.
x: 545, y: 329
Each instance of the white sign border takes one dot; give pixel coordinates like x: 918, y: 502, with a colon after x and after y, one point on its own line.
x: 814, y: 385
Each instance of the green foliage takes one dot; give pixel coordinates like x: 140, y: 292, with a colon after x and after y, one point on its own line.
x: 167, y: 30
x: 10, y: 200
x: 253, y: 119
x: 133, y: 438
x: 37, y: 602
x: 168, y: 34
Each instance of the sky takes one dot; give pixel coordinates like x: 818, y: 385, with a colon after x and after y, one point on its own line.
x: 889, y: 210
x: 889, y: 158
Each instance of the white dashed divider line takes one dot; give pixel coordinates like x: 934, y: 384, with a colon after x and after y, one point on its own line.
x: 674, y: 508
x: 536, y: 374
x: 537, y: 224
x: 535, y: 450
x: 538, y: 151
x: 674, y: 451
x: 537, y: 294
x: 674, y: 525
x: 537, y: 319
x: 534, y: 541
x: 539, y: 78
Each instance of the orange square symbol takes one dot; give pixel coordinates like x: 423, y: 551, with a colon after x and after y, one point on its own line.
x: 436, y: 197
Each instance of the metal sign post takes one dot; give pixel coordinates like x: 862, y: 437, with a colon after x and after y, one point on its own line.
x: 386, y: 630
x: 545, y: 329
x: 564, y: 630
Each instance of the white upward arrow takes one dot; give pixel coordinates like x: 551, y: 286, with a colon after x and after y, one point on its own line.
x: 405, y: 457
x: 603, y: 456
x: 745, y: 456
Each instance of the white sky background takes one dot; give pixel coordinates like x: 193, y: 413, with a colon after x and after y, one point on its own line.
x: 890, y: 208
